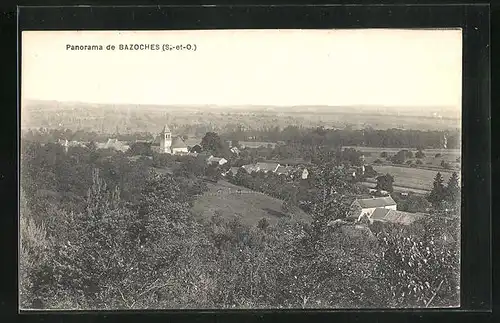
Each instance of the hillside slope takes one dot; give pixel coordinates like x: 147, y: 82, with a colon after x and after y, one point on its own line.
x: 239, y: 202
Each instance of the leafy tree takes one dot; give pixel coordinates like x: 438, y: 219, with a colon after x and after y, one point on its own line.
x: 419, y: 154
x: 140, y: 148
x: 419, y: 269
x: 383, y: 154
x: 418, y: 162
x: 196, y: 149
x: 445, y: 165
x: 369, y: 171
x: 399, y: 157
x: 384, y: 182
x: 263, y: 224
x: 213, y: 143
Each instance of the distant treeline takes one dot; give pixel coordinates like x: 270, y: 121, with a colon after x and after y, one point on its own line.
x: 53, y: 135
x: 390, y: 138
x: 394, y: 138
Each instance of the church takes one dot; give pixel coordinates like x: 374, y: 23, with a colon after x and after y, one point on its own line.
x: 164, y: 143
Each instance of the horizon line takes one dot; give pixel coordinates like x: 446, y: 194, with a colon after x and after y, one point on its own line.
x: 447, y: 107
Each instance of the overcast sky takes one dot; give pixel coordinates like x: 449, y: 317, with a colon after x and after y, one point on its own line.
x: 282, y: 67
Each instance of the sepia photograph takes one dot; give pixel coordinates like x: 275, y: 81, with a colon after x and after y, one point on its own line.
x: 240, y: 169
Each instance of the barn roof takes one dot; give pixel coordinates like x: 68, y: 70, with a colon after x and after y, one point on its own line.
x: 393, y: 216
x: 284, y: 169
x: 376, y: 202
x: 270, y: 167
x: 249, y: 168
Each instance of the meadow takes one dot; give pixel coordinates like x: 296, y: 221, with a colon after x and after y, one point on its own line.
x: 408, y: 177
x: 248, y: 206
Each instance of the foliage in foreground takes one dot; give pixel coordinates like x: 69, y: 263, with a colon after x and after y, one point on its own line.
x: 159, y: 256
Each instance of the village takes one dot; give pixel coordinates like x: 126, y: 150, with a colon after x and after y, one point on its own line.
x: 375, y: 205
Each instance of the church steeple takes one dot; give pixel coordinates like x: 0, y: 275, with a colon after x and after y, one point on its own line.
x: 166, y: 139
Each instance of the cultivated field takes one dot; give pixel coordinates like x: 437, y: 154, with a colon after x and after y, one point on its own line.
x: 431, y: 161
x: 239, y: 202
x: 413, y: 178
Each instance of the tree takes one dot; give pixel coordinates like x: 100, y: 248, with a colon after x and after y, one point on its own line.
x: 445, y: 165
x: 140, y: 148
x: 384, y: 182
x: 213, y: 143
x: 453, y: 188
x: 383, y: 154
x: 419, y: 154
x: 263, y: 224
x: 196, y: 149
x: 417, y: 268
x: 369, y: 171
x: 399, y: 158
x: 417, y: 203
x: 437, y: 194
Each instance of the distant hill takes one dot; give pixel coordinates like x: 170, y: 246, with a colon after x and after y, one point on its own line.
x: 139, y: 118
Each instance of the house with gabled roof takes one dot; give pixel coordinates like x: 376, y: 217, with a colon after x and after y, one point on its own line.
x: 284, y: 170
x: 113, y: 143
x: 216, y: 160
x: 366, y: 207
x: 250, y: 168
x: 267, y: 167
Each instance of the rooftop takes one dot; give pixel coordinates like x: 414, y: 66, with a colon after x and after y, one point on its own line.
x: 177, y: 142
x: 392, y: 216
x: 271, y: 167
x: 166, y: 129
x: 376, y: 202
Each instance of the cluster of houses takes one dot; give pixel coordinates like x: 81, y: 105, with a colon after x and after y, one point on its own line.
x: 275, y: 168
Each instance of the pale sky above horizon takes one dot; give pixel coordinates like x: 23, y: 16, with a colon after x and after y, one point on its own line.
x: 258, y: 67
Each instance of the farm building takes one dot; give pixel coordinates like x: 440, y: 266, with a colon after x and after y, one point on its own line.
x: 267, y: 167
x: 232, y: 170
x: 216, y: 160
x: 394, y: 216
x: 367, y: 207
x: 284, y: 170
x: 113, y: 144
x: 256, y: 144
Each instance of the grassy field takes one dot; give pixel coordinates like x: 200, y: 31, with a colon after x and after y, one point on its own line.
x: 413, y: 178
x: 430, y: 161
x: 238, y: 202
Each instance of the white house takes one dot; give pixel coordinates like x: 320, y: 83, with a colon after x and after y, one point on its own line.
x: 216, y: 160
x: 366, y: 207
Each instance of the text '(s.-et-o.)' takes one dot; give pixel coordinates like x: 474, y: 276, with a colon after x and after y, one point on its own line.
x: 134, y: 47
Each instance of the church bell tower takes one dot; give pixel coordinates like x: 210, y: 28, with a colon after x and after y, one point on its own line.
x: 166, y: 140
